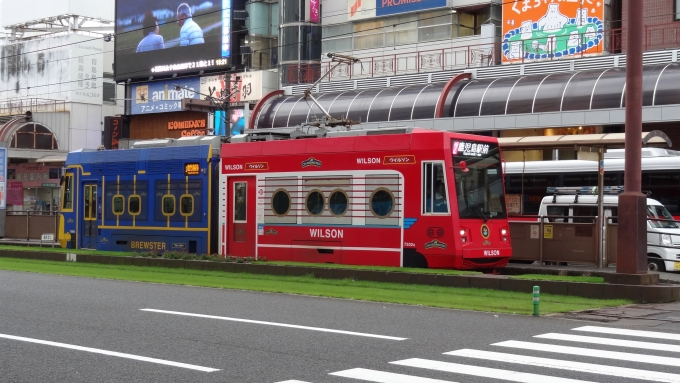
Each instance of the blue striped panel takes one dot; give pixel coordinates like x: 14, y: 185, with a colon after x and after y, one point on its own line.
x: 408, y: 222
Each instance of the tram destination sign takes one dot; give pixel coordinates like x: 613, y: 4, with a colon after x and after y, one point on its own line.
x: 471, y: 149
x: 192, y: 169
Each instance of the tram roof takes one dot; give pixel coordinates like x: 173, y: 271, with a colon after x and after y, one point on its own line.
x: 533, y: 93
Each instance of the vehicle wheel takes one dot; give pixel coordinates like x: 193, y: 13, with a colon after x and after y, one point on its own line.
x: 655, y: 264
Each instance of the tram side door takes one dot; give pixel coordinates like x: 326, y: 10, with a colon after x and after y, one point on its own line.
x: 88, y: 233
x: 241, y: 216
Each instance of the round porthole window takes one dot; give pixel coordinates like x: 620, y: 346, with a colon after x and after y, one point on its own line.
x: 338, y: 202
x: 315, y: 202
x: 280, y: 202
x: 382, y: 203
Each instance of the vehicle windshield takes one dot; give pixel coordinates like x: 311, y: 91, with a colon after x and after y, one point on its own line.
x: 479, y: 179
x: 660, y: 212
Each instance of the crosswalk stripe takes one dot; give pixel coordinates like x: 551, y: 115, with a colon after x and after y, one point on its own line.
x: 621, y: 331
x: 622, y: 372
x: 486, y: 372
x: 611, y: 342
x: 384, y: 377
x: 642, y: 358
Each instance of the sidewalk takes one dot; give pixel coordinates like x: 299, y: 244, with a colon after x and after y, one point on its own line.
x: 578, y: 269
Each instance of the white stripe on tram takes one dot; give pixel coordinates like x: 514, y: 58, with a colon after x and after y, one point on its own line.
x: 384, y: 377
x: 275, y: 324
x: 110, y: 353
x: 637, y: 333
x: 621, y: 372
x: 485, y: 372
x: 604, y: 354
x: 611, y: 342
x: 330, y: 247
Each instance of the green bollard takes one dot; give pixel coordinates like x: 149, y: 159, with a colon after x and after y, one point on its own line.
x: 537, y: 300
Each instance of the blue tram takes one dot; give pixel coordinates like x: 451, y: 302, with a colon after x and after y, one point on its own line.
x: 155, y: 197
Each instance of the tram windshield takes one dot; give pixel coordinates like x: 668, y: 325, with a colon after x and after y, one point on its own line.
x: 479, y: 179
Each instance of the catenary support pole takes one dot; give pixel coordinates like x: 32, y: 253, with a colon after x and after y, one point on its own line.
x: 631, y: 250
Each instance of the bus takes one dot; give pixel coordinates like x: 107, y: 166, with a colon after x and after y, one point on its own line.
x: 530, y: 180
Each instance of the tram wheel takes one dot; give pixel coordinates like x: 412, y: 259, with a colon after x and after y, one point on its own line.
x: 655, y: 264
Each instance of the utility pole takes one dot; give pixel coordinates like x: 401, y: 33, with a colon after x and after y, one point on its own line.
x: 631, y: 255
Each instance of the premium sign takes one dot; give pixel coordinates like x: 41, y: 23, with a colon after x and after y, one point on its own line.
x: 364, y: 9
x: 539, y: 30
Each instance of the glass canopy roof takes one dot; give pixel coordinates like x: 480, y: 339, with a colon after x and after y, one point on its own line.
x: 566, y: 91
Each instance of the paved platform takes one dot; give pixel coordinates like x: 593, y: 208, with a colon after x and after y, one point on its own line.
x: 582, y: 269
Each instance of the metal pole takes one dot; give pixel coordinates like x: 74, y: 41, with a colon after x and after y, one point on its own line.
x: 631, y: 252
x: 600, y: 207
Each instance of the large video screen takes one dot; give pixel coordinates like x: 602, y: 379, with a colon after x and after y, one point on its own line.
x: 157, y: 37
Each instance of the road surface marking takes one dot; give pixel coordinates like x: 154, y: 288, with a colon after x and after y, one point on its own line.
x: 384, y: 377
x: 486, y: 372
x: 275, y: 324
x: 110, y: 353
x: 642, y: 358
x: 621, y: 372
x: 611, y: 342
x: 293, y: 381
x: 638, y: 333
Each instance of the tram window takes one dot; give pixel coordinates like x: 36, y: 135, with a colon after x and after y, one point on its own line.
x: 558, y: 211
x: 240, y: 201
x: 435, y: 198
x: 87, y: 201
x: 186, y: 204
x: 315, y: 202
x: 280, y: 202
x: 67, y: 199
x: 168, y: 205
x: 382, y: 203
x: 134, y: 204
x: 338, y: 202
x: 118, y: 203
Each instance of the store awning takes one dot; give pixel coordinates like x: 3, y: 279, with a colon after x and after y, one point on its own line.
x: 654, y: 138
x: 52, y: 158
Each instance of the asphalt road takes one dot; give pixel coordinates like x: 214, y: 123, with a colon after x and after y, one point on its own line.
x: 67, y: 329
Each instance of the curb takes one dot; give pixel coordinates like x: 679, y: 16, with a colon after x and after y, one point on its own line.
x: 660, y: 293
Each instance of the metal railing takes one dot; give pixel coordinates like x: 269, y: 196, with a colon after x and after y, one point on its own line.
x: 611, y: 41
x: 17, y: 107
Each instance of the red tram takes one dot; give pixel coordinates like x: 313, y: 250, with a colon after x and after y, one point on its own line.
x: 388, y: 197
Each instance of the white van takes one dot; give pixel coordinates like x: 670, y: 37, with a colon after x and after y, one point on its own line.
x: 663, y: 237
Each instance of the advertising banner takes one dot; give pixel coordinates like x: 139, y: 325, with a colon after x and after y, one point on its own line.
x: 163, y: 96
x: 3, y: 178
x: 221, y: 86
x: 171, y: 36
x: 87, y: 70
x: 540, y: 30
x: 15, y: 193
x: 364, y: 9
x: 314, y: 11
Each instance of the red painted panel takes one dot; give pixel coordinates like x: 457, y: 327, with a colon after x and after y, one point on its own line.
x: 336, y: 145
x: 382, y: 142
x: 317, y: 251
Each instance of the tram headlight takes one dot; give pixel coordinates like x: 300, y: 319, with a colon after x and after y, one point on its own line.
x: 463, y: 235
x: 504, y: 234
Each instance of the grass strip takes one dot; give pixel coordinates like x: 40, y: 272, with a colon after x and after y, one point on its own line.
x: 372, y: 268
x: 433, y: 296
x: 561, y: 278
x: 57, y: 249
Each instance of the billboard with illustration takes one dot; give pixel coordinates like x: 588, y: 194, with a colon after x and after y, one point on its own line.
x: 544, y: 30
x: 171, y: 36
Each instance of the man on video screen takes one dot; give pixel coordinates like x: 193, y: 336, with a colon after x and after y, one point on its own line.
x: 191, y: 33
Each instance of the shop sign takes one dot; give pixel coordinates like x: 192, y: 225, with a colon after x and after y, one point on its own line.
x: 163, y: 96
x: 364, y: 9
x: 32, y: 175
x: 243, y: 87
x: 540, y: 30
x: 189, y: 128
x: 49, y: 185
